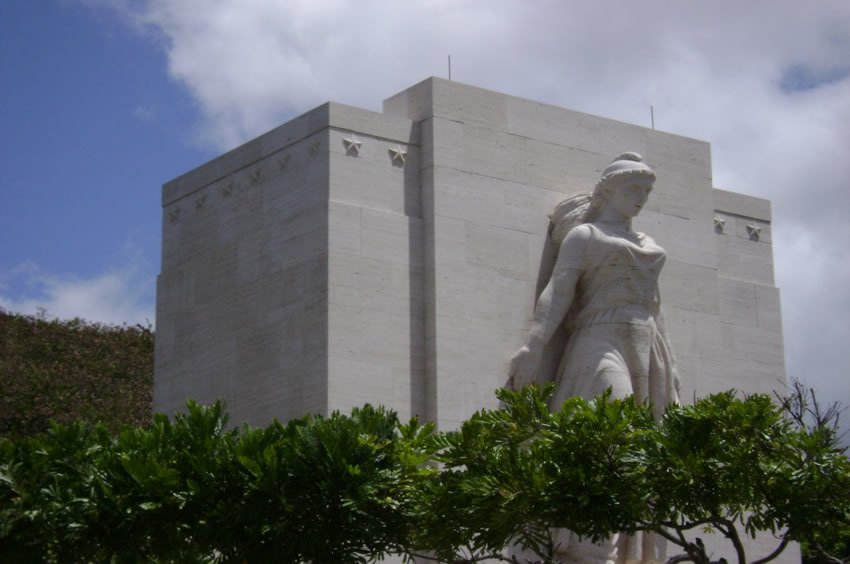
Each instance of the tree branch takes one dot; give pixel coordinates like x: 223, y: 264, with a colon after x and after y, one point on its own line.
x: 775, y: 553
x: 694, y: 552
x: 679, y: 558
x: 731, y: 533
x: 680, y: 541
x: 470, y: 560
x: 827, y: 556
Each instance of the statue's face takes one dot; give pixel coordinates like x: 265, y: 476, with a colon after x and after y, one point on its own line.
x: 629, y: 197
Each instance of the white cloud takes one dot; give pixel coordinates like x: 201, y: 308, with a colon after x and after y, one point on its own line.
x: 116, y: 297
x: 766, y: 82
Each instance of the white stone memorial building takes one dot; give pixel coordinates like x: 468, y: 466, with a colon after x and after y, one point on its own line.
x: 394, y: 258
x: 350, y: 256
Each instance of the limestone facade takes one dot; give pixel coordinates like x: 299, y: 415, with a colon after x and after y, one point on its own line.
x: 350, y: 256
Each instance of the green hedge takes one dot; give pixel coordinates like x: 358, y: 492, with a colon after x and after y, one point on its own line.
x: 69, y: 371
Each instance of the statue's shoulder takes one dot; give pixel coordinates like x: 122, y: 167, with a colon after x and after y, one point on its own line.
x: 645, y: 239
x: 576, y: 242
x: 581, y: 232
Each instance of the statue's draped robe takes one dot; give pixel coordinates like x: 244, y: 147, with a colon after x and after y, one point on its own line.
x: 615, y: 337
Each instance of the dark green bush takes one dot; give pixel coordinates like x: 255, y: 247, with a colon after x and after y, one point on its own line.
x: 68, y: 371
x: 319, y: 489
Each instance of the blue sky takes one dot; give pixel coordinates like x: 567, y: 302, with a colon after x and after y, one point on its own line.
x: 101, y: 101
x: 93, y: 125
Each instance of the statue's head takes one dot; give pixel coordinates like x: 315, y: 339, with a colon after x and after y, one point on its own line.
x: 624, y: 169
x: 625, y: 184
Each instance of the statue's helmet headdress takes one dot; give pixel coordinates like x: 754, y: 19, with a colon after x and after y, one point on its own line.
x: 623, y: 167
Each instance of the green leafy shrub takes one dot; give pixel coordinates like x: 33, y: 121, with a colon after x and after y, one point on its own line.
x: 319, y: 489
x: 355, y: 488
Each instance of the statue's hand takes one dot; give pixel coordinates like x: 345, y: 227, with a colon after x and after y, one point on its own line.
x: 524, y: 366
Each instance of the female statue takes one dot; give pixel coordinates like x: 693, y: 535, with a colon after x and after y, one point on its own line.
x: 604, y: 290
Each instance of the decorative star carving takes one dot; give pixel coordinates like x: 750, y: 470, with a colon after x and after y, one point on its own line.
x: 174, y: 214
x: 283, y: 162
x: 754, y: 231
x: 313, y: 146
x: 719, y: 224
x: 199, y: 203
x: 226, y: 191
x: 352, y: 145
x: 256, y: 176
x: 398, y: 156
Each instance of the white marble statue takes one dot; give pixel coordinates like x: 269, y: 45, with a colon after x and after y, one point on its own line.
x: 604, y: 291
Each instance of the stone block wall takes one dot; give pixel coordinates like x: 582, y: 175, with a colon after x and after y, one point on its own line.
x: 290, y: 279
x: 375, y: 305
x: 242, y: 311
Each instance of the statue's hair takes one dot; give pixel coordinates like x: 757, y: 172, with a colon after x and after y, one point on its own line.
x: 569, y: 213
x: 584, y: 208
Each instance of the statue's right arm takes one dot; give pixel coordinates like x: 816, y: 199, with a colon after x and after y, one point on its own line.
x: 555, y: 300
x: 553, y: 304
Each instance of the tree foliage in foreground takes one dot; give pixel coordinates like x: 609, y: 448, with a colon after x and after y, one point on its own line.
x: 335, y: 489
x: 730, y: 465
x: 65, y: 371
x: 354, y: 488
